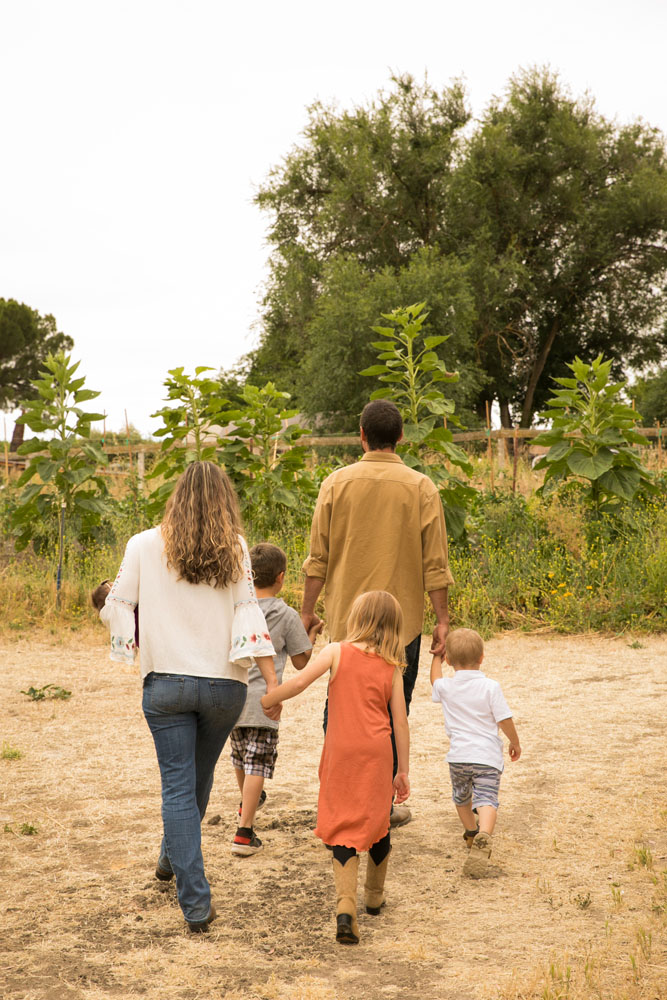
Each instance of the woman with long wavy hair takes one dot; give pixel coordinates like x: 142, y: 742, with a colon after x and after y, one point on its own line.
x: 199, y: 625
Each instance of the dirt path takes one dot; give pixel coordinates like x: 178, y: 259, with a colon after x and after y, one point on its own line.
x: 574, y: 906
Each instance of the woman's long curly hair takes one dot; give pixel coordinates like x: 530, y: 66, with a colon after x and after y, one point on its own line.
x: 201, y: 527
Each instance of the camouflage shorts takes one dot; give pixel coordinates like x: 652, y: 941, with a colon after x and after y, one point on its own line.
x: 481, y: 782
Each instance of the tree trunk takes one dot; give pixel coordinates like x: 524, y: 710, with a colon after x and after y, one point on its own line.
x: 17, y: 437
x: 505, y: 415
x: 538, y: 368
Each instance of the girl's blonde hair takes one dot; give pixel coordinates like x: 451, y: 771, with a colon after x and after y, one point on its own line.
x: 201, y: 527
x: 376, y: 618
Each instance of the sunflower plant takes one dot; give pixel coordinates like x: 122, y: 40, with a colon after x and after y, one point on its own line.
x: 591, y: 439
x: 413, y: 375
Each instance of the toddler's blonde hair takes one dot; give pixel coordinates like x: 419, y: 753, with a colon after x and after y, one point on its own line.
x: 464, y: 647
x: 376, y: 618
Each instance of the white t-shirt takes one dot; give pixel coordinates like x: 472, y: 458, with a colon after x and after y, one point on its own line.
x: 472, y: 705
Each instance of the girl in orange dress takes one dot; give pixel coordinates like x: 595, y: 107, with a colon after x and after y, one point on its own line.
x: 356, y: 788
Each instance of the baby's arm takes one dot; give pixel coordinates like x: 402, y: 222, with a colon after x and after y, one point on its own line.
x: 436, y: 669
x: 509, y: 729
x: 325, y: 660
x: 402, y: 737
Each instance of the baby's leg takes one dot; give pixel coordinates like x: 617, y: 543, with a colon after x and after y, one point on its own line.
x: 466, y: 815
x: 487, y: 818
x: 486, y: 783
x: 462, y: 775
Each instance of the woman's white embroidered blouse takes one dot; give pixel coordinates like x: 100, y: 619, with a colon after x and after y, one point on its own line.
x: 184, y: 628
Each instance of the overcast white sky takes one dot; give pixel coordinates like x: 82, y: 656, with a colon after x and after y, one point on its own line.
x: 136, y: 133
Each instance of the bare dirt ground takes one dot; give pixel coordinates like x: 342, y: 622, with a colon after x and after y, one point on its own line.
x: 574, y: 905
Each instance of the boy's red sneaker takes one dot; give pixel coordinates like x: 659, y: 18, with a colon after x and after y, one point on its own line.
x: 246, y: 842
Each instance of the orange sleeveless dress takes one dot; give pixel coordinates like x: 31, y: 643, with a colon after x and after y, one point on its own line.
x: 356, y: 765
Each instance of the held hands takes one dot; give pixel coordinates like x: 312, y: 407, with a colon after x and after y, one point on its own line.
x: 274, y: 711
x: 315, y: 630
x: 514, y: 751
x: 401, y: 787
x: 309, y: 621
x: 438, y: 641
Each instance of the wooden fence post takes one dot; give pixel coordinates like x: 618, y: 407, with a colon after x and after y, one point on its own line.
x: 659, y: 445
x: 516, y: 457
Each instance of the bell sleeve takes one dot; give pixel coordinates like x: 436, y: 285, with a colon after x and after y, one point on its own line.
x: 250, y: 635
x: 118, y: 610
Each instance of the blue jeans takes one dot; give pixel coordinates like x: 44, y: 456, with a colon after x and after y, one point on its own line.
x: 190, y: 719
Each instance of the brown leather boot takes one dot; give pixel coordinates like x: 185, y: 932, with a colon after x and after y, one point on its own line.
x: 345, y: 877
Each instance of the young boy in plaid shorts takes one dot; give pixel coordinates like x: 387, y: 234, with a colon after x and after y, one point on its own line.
x: 254, y: 740
x: 474, y: 708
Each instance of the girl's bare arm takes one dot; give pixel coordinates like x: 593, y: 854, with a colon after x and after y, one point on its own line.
x: 401, y: 736
x: 326, y: 659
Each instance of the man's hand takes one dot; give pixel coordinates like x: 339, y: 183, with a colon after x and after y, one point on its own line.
x: 440, y: 633
x: 311, y: 621
x: 315, y: 630
x: 514, y: 751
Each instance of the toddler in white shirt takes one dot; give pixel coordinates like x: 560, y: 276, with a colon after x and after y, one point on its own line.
x: 474, y: 708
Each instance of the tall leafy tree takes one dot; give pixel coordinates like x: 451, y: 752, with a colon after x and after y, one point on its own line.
x: 360, y: 198
x: 561, y: 216
x: 552, y: 219
x: 26, y: 340
x: 650, y: 396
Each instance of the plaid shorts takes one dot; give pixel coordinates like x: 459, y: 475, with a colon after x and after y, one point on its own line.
x: 254, y: 750
x: 479, y: 781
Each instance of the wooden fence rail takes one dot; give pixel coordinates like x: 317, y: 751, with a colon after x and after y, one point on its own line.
x: 139, y: 451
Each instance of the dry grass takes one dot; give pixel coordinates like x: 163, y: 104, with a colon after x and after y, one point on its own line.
x: 574, y: 906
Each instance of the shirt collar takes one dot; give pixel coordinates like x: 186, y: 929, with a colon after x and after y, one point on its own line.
x: 381, y: 456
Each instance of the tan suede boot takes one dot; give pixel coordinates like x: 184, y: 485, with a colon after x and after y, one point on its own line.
x: 345, y: 877
x: 374, y: 887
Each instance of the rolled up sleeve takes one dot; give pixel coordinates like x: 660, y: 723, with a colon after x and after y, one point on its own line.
x: 435, y: 556
x: 318, y: 558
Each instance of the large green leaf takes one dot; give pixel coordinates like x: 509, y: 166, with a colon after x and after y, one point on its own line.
x: 590, y: 466
x: 558, y: 451
x: 623, y: 482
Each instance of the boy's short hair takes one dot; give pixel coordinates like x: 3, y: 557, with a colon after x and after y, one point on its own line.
x: 99, y: 595
x: 382, y: 424
x: 464, y: 647
x: 267, y: 562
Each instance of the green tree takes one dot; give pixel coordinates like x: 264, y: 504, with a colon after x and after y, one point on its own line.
x: 62, y: 484
x: 650, y: 396
x: 359, y: 198
x: 561, y: 216
x: 353, y: 301
x: 26, y: 340
x: 591, y: 438
x: 548, y: 220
